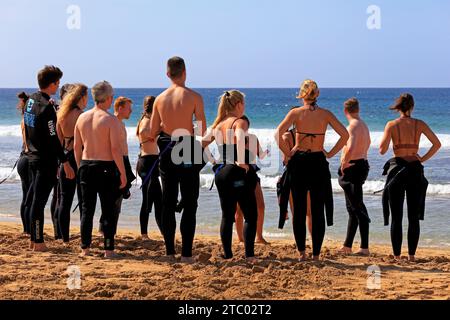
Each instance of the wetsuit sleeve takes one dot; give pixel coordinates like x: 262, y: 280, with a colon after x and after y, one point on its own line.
x: 49, y: 118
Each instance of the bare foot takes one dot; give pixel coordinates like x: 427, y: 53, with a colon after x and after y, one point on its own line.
x: 345, y: 250
x: 40, y: 247
x: 262, y: 241
x: 188, y: 260
x: 316, y: 258
x: 109, y: 254
x: 85, y: 253
x: 171, y: 258
x: 412, y: 258
x: 397, y: 258
x: 145, y: 237
x: 251, y: 260
x: 31, y: 247
x: 303, y: 257
x: 363, y: 252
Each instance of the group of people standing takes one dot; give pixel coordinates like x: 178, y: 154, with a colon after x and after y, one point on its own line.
x: 72, y: 149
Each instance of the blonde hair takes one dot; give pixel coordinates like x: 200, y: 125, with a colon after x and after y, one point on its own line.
x: 309, y: 91
x: 120, y: 102
x: 228, y: 102
x: 71, y: 100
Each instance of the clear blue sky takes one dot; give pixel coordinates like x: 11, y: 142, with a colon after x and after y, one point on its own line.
x: 229, y: 43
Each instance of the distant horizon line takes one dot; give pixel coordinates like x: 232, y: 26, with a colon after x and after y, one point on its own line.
x: 257, y: 87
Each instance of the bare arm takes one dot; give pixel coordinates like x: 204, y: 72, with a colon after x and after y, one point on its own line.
x: 350, y: 146
x: 208, y: 138
x: 77, y: 145
x: 282, y: 128
x: 340, y: 130
x: 59, y: 132
x: 386, y: 140
x: 155, y: 123
x: 261, y: 153
x: 116, y: 149
x: 436, y: 144
x: 200, y: 116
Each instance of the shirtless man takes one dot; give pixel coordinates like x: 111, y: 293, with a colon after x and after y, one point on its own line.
x: 99, y: 156
x: 353, y: 174
x: 172, y: 120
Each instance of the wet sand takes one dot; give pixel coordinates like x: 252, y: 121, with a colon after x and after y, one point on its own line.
x: 143, y: 272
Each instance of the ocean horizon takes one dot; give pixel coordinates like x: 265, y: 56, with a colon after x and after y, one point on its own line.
x: 266, y: 108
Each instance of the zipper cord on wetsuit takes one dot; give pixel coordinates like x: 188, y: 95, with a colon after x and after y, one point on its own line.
x: 149, y: 174
x: 15, y: 165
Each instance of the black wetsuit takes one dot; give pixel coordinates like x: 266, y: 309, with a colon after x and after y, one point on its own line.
x: 151, y: 191
x: 44, y: 150
x: 404, y: 178
x: 66, y: 192
x: 123, y: 194
x: 352, y: 181
x: 236, y: 186
x: 25, y: 178
x: 309, y: 171
x: 100, y: 178
x: 181, y: 171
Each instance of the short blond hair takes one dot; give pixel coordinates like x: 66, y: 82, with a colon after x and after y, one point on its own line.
x: 121, y: 102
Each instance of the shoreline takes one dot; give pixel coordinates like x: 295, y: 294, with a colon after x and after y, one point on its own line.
x: 143, y: 272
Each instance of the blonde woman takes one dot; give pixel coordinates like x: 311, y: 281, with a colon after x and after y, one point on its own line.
x: 235, y: 178
x: 72, y: 106
x: 308, y: 166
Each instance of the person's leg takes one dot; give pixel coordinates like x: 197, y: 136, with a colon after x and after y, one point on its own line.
x: 318, y: 218
x: 67, y: 192
x: 54, y: 205
x: 156, y: 196
x: 110, y: 199
x: 248, y: 204
x: 88, y: 202
x: 239, y: 219
x: 44, y: 182
x: 413, y: 203
x: 228, y: 203
x: 142, y: 170
x: 170, y: 181
x: 261, y: 206
x: 363, y: 218
x: 22, y: 170
x: 299, y: 196
x: 396, y: 200
x: 352, y: 225
x: 32, y: 169
x: 189, y: 189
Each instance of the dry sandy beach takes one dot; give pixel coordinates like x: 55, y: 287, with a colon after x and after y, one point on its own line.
x: 142, y: 272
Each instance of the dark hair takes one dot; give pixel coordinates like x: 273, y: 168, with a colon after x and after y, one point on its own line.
x: 175, y: 67
x: 245, y: 118
x: 23, y: 96
x: 404, y: 103
x: 48, y: 75
x: 148, y: 104
x: 352, y: 105
x: 149, y: 101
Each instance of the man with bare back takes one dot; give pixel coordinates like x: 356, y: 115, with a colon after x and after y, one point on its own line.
x: 172, y: 121
x: 353, y: 174
x: 99, y: 156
